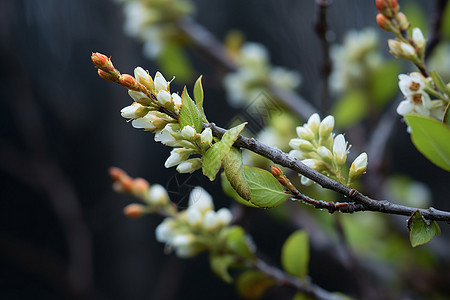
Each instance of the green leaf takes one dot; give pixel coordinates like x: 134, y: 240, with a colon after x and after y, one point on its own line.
x: 219, y: 265
x: 189, y: 114
x: 229, y: 191
x: 383, y: 83
x: 252, y: 284
x: 350, y: 109
x: 173, y: 60
x: 295, y: 254
x: 236, y: 242
x: 234, y: 170
x: 266, y: 191
x: 421, y: 231
x: 198, y: 96
x: 212, y: 159
x: 439, y: 83
x: 446, y: 119
x: 431, y: 138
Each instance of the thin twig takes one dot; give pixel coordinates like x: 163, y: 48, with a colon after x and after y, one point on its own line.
x: 321, y: 28
x: 285, y: 279
x: 281, y: 158
x: 436, y: 32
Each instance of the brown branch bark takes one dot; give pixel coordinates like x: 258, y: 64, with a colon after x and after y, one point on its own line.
x: 281, y: 158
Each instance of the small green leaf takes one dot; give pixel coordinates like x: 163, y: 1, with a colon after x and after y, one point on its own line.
x: 295, y: 254
x: 421, y: 231
x: 266, y: 191
x: 431, y: 138
x: 383, y: 83
x: 229, y: 191
x: 212, y: 159
x: 219, y: 265
x: 446, y: 119
x: 173, y: 60
x: 346, y: 117
x: 234, y: 170
x: 252, y: 284
x: 198, y: 96
x: 189, y: 114
x: 236, y: 242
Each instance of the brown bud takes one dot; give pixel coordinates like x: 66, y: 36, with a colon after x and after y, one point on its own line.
x: 116, y: 173
x: 140, y: 187
x: 276, y: 172
x: 102, y: 62
x: 134, y: 211
x: 129, y: 82
x: 381, y: 5
x: 384, y: 22
x: 106, y: 76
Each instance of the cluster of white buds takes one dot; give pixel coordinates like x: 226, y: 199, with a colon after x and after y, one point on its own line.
x: 197, y: 228
x: 254, y: 74
x: 409, y: 50
x: 143, y: 111
x: 413, y: 87
x: 355, y: 58
x: 154, y: 22
x: 319, y: 148
x: 186, y: 142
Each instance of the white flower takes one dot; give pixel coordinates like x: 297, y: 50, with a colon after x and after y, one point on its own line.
x: 145, y: 122
x: 210, y: 220
x: 411, y: 84
x: 188, y: 132
x: 177, y: 156
x: 301, y: 145
x: 160, y: 82
x: 138, y: 96
x: 158, y: 195
x: 183, y: 244
x: 164, y: 232
x: 206, y: 136
x: 166, y: 136
x: 253, y: 53
x: 164, y: 97
x: 201, y: 199
x: 190, y: 165
x: 194, y: 215
x: 401, y: 49
x: 309, y: 162
x: 419, y: 103
x: 326, y: 127
x: 340, y: 150
x: 224, y: 216
x: 418, y: 38
x: 129, y: 112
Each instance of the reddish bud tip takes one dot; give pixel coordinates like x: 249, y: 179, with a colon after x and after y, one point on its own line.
x: 140, y: 186
x: 129, y: 82
x: 116, y: 173
x: 106, y: 76
x: 134, y: 211
x: 381, y: 4
x: 99, y: 60
x: 276, y: 172
x: 383, y: 22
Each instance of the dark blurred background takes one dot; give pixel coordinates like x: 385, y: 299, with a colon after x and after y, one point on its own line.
x: 62, y: 231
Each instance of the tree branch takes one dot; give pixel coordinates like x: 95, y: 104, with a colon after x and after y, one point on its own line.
x: 281, y: 158
x: 207, y: 45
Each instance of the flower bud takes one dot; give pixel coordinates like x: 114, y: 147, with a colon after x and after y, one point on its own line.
x: 145, y: 122
x: 144, y: 78
x: 190, y: 165
x: 224, y: 216
x: 340, y: 150
x: 418, y: 38
x: 134, y: 211
x: 188, y: 132
x: 164, y: 98
x: 107, y: 76
x: 129, y: 112
x: 129, y: 82
x: 160, y: 82
x: 200, y: 199
x: 403, y: 21
x: 193, y: 216
x: 403, y: 50
x: 358, y: 167
x: 384, y: 22
x: 206, y: 136
x: 140, y: 187
x: 210, y: 220
x: 325, y: 154
x: 326, y: 127
x: 177, y: 156
x: 102, y: 62
x: 276, y: 172
x: 164, y: 231
x: 305, y: 133
x: 158, y: 195
x: 314, y: 123
x: 176, y: 100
